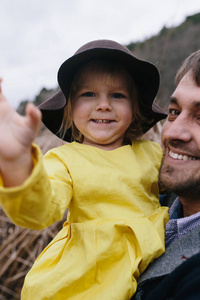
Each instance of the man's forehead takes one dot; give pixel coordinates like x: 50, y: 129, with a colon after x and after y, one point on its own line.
x: 187, y: 93
x: 195, y: 104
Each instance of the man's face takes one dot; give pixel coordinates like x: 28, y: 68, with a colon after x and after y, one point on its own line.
x: 180, y: 169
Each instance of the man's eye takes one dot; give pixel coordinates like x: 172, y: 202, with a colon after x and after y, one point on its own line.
x: 118, y: 95
x: 88, y: 94
x: 173, y: 112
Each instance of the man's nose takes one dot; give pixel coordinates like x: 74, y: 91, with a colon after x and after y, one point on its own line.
x: 104, y: 104
x: 179, y: 129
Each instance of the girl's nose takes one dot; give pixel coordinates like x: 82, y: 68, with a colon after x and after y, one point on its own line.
x: 104, y: 104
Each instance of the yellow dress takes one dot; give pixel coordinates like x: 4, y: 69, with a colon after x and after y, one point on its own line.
x: 115, y: 225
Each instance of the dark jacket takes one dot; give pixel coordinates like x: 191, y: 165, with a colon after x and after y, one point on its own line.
x: 176, y: 274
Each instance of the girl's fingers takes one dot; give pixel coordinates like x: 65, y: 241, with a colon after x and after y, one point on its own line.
x: 2, y: 97
x: 0, y: 83
x: 34, y: 116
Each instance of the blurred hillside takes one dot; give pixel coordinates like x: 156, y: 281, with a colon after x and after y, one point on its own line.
x: 166, y: 50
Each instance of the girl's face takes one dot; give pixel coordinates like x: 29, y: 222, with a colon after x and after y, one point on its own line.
x: 102, y: 111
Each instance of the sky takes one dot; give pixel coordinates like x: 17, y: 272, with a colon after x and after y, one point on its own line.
x: 37, y: 36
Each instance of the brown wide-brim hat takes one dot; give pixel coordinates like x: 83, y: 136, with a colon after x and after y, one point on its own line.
x: 145, y: 74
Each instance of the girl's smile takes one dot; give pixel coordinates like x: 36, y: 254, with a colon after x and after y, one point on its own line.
x: 102, y: 111
x: 102, y: 121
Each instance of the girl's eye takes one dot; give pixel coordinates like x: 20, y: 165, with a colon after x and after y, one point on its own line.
x: 88, y: 94
x: 118, y: 95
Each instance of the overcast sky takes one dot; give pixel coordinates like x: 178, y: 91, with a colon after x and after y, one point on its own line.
x: 36, y: 36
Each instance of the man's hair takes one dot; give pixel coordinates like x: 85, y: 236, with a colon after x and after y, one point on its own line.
x: 191, y: 64
x: 107, y: 68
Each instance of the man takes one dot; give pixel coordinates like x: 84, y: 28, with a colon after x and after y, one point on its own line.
x: 176, y: 274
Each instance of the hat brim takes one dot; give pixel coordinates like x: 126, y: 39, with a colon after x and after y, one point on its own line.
x: 144, y: 73
x: 52, y: 117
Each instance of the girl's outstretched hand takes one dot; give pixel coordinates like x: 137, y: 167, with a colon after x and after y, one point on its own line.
x: 16, y: 136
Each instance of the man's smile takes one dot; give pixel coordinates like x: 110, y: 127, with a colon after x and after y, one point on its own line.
x: 181, y: 156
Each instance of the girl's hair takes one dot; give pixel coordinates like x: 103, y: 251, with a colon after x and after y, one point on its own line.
x: 107, y: 69
x: 191, y: 64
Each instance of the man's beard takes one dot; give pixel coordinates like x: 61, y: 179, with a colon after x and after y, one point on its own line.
x: 180, y: 182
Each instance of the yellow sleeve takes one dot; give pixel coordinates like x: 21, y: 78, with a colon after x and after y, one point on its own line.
x: 155, y: 153
x: 40, y: 201
x: 159, y: 153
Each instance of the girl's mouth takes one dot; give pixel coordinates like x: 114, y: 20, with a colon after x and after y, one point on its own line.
x: 102, y: 121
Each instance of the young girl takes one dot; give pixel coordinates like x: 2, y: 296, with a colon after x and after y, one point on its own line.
x: 106, y: 177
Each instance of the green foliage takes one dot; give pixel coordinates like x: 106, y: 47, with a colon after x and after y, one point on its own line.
x: 195, y: 19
